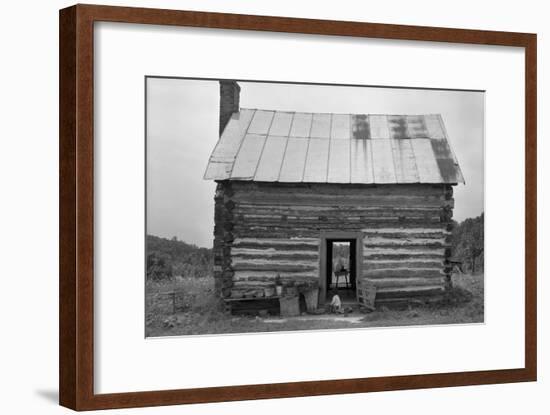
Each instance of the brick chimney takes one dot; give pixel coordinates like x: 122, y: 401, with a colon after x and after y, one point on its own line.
x: 229, y: 101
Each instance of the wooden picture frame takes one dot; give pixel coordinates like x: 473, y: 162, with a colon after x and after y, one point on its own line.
x: 76, y: 175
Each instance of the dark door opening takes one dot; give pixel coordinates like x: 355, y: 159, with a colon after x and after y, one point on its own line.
x: 341, y: 268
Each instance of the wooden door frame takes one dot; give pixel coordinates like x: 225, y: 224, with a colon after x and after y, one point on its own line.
x: 358, y: 237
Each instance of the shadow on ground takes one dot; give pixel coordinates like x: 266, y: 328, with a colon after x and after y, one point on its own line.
x: 49, y: 395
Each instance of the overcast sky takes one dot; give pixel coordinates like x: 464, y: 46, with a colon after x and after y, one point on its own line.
x: 182, y: 130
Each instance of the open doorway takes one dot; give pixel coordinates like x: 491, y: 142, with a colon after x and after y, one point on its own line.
x: 341, y: 269
x: 340, y: 250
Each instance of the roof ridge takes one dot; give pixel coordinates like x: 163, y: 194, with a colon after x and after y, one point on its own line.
x: 340, y: 113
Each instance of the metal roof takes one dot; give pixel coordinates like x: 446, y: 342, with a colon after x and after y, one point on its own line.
x: 278, y: 146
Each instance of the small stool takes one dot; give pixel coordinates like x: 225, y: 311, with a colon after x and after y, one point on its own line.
x: 342, y: 273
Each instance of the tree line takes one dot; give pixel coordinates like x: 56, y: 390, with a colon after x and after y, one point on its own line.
x: 468, y: 244
x: 167, y: 258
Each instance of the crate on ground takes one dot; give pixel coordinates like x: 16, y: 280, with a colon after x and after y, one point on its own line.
x: 366, y: 293
x: 290, y: 305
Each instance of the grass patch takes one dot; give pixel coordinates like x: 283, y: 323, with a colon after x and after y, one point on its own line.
x: 198, y: 311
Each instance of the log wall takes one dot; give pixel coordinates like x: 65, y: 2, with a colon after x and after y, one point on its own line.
x: 267, y: 229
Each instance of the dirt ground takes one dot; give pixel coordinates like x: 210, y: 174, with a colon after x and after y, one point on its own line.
x: 197, y: 311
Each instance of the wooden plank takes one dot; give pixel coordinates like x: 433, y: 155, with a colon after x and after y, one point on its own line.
x: 281, y: 123
x: 309, y: 227
x: 397, y: 125
x: 366, y: 293
x: 331, y: 219
x: 373, y: 256
x: 407, y: 282
x: 278, y: 242
x: 289, y: 259
x: 404, y: 263
x: 301, y: 124
x: 381, y: 241
x: 292, y: 169
x: 340, y: 128
x: 379, y: 126
x: 313, y: 231
x: 404, y: 161
x: 320, y: 127
x: 261, y: 122
x: 248, y: 156
x: 339, y: 161
x: 413, y: 288
x: 277, y: 256
x: 404, y: 233
x: 317, y: 223
x: 382, y: 158
x: 402, y: 272
x: 222, y: 158
x: 303, y: 208
x: 390, y: 200
x: 271, y: 275
x: 434, y: 127
x: 276, y: 266
x: 371, y: 203
x: 334, y: 215
x: 402, y: 251
x: 317, y: 160
x: 428, y: 169
x: 274, y: 250
x: 269, y: 262
x: 390, y: 190
x: 410, y: 292
x: 271, y: 160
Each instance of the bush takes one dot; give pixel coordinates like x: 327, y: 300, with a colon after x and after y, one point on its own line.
x: 468, y: 244
x: 158, y: 267
x: 167, y: 258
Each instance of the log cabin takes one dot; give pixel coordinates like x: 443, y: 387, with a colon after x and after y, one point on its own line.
x: 291, y: 185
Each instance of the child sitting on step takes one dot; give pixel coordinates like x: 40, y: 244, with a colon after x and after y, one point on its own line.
x: 336, y: 304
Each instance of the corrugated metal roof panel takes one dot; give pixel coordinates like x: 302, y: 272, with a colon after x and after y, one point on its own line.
x: 320, y: 128
x: 360, y: 129
x: 334, y: 148
x: 428, y: 170
x: 301, y: 125
x: 398, y: 126
x: 223, y: 156
x: 281, y: 124
x: 340, y: 128
x: 382, y: 161
x: 435, y: 130
x: 339, y: 161
x: 248, y: 156
x: 379, y: 126
x: 271, y: 160
x: 361, y: 162
x: 416, y: 126
x: 261, y: 122
x: 292, y: 169
x: 317, y: 161
x: 404, y: 161
x: 448, y: 168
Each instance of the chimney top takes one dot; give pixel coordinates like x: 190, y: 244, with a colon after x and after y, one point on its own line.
x: 229, y: 101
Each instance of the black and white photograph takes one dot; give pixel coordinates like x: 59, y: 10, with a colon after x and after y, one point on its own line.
x: 274, y: 206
